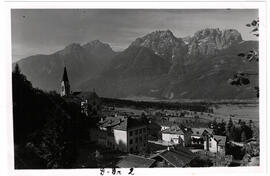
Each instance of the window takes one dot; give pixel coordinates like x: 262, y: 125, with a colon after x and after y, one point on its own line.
x: 140, y: 131
x: 136, y: 140
x: 140, y: 139
x: 136, y: 132
x: 145, y: 138
x: 131, y: 149
x: 210, y: 144
x: 130, y: 133
x: 130, y: 141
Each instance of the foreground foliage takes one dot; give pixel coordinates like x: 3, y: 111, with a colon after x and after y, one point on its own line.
x: 45, y: 127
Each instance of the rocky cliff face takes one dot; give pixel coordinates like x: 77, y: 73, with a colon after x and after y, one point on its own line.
x: 211, y: 41
x: 163, y: 44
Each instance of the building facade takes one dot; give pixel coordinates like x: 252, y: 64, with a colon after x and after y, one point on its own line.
x: 215, y: 144
x: 123, y: 133
x: 177, y: 135
x: 198, y: 135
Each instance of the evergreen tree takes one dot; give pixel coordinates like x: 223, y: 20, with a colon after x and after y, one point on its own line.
x: 229, y: 129
x: 17, y: 69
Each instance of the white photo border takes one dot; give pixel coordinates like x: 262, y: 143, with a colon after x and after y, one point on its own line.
x: 6, y: 89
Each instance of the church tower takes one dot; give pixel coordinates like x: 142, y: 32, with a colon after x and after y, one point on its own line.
x: 65, y: 87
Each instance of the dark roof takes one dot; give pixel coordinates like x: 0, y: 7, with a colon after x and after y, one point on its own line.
x: 120, y: 123
x: 135, y: 161
x: 200, y: 131
x: 221, y: 139
x: 175, y: 129
x: 179, y: 157
x: 65, y: 76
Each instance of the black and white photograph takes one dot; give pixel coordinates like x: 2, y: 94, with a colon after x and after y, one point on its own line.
x: 114, y: 88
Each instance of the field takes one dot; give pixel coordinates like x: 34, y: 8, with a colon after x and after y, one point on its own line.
x: 238, y: 111
x: 220, y: 110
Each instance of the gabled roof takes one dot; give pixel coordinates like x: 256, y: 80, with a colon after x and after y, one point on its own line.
x: 121, y: 123
x: 179, y: 157
x: 65, y: 76
x: 200, y: 131
x: 175, y: 129
x: 135, y: 161
x: 220, y: 139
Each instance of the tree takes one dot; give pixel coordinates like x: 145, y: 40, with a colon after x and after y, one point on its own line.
x: 241, y: 78
x: 17, y: 70
x: 230, y: 124
x: 44, y: 124
x: 229, y: 129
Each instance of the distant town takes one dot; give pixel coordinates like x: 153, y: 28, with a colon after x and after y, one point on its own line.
x: 125, y: 135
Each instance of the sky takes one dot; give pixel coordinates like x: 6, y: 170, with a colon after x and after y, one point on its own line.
x: 45, y: 31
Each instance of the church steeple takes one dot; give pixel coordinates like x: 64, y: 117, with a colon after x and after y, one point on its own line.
x: 65, y: 87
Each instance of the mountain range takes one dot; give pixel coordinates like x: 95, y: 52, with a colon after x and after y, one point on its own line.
x: 158, y: 65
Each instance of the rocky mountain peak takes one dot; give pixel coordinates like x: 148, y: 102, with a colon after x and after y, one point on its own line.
x: 162, y: 34
x: 71, y: 48
x: 162, y: 43
x: 212, y: 33
x: 210, y: 40
x: 165, y: 36
x: 96, y: 46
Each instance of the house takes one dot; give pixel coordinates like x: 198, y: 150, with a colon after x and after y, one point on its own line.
x: 90, y: 104
x: 121, y: 133
x: 135, y: 161
x: 198, y: 135
x: 177, y: 135
x: 171, y: 157
x: 215, y: 143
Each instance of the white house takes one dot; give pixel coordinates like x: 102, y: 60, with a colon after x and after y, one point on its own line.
x: 198, y: 135
x: 123, y: 133
x: 176, y: 135
x: 215, y: 143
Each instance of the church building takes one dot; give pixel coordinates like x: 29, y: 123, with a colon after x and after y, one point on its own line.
x: 65, y: 86
x: 89, y: 101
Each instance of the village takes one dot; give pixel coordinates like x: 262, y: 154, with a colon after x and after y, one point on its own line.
x: 128, y: 137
